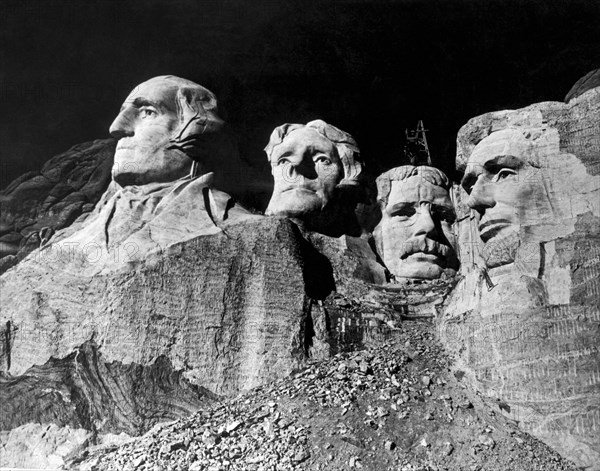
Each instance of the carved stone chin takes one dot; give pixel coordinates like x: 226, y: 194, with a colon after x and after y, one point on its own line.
x: 414, y: 237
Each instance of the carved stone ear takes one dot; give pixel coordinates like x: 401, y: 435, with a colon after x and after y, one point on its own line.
x: 197, y: 111
x: 190, y: 112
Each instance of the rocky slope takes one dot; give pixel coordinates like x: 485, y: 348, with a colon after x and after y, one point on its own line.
x: 391, y: 407
x: 37, y: 204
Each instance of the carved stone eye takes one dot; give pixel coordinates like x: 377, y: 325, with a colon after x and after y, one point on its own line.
x: 322, y: 159
x: 147, y: 112
x: 402, y: 214
x: 504, y: 173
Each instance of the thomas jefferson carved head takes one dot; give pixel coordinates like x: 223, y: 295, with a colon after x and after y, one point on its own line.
x: 317, y: 172
x: 161, y: 128
x: 414, y: 237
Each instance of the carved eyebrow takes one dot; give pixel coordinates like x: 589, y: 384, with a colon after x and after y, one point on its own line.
x: 501, y: 161
x: 400, y: 206
x: 493, y: 165
x: 139, y: 102
x: 286, y: 154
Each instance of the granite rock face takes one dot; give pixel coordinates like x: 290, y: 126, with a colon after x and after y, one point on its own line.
x: 37, y: 204
x: 585, y: 83
x: 122, y: 349
x: 524, y: 320
x: 42, y: 446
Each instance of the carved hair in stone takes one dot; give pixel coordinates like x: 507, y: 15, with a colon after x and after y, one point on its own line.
x: 166, y: 126
x: 414, y: 237
x: 318, y: 177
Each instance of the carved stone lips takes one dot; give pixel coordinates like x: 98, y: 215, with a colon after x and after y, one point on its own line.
x: 300, y: 189
x: 491, y: 228
x: 423, y: 257
x: 424, y: 248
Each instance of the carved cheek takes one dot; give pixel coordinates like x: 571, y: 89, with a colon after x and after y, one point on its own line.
x: 329, y: 178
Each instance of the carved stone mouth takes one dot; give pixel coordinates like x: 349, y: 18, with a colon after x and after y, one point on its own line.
x: 428, y: 249
x: 422, y: 257
x: 490, y: 229
x: 299, y: 188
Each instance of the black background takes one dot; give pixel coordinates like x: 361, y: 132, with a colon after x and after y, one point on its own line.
x: 372, y: 68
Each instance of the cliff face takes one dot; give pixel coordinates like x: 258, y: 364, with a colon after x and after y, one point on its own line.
x: 223, y: 313
x: 529, y: 335
x: 37, y: 204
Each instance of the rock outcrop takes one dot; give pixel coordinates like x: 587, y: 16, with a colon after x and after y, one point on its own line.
x: 524, y: 320
x: 121, y: 350
x: 587, y: 82
x: 37, y: 204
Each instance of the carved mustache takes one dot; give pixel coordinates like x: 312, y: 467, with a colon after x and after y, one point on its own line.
x: 422, y: 245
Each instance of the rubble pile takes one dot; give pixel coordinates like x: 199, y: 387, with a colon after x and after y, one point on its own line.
x: 392, y: 407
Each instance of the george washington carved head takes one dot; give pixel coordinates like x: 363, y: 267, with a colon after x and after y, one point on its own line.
x: 163, y: 127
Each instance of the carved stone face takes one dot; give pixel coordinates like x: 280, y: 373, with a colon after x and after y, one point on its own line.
x: 144, y: 128
x: 306, y: 169
x: 506, y: 191
x: 414, y: 236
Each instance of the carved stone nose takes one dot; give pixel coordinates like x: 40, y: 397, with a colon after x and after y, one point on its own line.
x: 121, y: 127
x: 481, y: 196
x: 425, y: 224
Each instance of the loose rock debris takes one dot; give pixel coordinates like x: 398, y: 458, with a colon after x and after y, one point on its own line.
x: 395, y: 407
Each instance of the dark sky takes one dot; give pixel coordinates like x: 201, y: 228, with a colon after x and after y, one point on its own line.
x: 372, y: 68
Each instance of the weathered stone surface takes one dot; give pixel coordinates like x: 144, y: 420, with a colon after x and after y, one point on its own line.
x: 42, y: 446
x: 352, y: 260
x: 317, y: 170
x: 524, y: 321
x: 37, y: 204
x: 585, y: 83
x: 414, y: 237
x: 391, y: 407
x: 82, y: 390
x: 223, y: 312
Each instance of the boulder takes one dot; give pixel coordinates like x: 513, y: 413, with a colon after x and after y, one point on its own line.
x: 525, y: 329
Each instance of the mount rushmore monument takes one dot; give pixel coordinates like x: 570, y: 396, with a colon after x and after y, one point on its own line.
x: 138, y: 300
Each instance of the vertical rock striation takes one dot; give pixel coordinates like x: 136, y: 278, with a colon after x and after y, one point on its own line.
x: 155, y: 339
x: 524, y: 320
